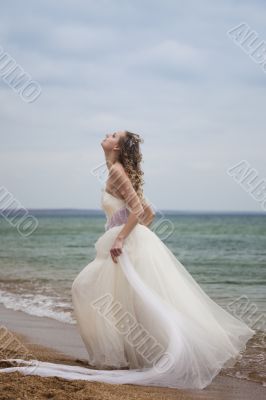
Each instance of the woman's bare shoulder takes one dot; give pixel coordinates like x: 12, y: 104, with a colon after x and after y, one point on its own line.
x: 118, y: 165
x: 118, y: 170
x: 117, y: 179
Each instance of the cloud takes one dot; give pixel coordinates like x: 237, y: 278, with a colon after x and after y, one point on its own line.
x: 166, y: 70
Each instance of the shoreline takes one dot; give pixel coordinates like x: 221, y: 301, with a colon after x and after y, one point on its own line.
x: 54, y: 341
x: 63, y: 337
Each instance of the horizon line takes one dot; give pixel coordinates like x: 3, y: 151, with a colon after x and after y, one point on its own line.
x: 99, y: 210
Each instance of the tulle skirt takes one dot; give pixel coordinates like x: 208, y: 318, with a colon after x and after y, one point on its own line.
x: 147, y: 316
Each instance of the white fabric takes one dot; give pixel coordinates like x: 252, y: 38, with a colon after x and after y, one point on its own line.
x: 185, y: 338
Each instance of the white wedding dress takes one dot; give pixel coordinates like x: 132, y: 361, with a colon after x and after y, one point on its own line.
x: 146, y: 315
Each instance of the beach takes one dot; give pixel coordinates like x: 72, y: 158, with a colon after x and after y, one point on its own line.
x: 49, y: 340
x: 36, y: 308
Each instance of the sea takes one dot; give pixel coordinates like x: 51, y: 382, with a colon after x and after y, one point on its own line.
x: 224, y: 252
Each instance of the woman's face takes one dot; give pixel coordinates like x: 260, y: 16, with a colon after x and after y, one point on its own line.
x: 111, y: 140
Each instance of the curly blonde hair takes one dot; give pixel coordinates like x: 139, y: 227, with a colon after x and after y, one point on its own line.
x: 130, y: 157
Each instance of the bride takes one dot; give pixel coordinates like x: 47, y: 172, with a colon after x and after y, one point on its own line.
x: 143, y: 318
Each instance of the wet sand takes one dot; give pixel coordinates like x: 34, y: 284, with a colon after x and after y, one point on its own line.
x: 48, y: 340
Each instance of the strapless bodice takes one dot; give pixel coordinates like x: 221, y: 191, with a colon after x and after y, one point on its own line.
x: 114, y: 208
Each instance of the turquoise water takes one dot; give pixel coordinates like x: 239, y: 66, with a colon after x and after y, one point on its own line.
x: 226, y: 254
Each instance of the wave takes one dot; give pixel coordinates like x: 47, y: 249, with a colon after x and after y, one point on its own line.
x: 39, y: 305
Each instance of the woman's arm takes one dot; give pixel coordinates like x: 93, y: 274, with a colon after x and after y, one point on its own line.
x: 132, y: 221
x: 127, y: 192
x: 137, y: 212
x: 117, y: 246
x: 149, y: 215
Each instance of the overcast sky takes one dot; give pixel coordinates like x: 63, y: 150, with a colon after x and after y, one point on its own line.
x: 167, y: 70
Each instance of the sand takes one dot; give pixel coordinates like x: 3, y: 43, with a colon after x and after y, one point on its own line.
x: 49, y: 340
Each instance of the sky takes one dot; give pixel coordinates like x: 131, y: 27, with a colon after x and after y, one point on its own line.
x: 167, y: 70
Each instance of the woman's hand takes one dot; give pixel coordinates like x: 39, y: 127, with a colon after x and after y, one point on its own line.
x: 116, y: 249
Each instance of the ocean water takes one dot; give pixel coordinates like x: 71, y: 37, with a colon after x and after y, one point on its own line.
x: 225, y: 253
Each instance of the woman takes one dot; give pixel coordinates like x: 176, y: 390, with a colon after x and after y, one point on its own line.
x: 136, y: 305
